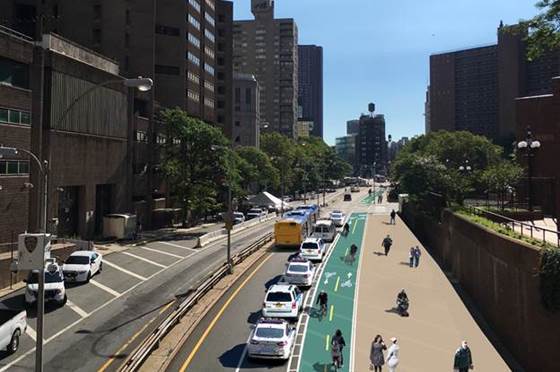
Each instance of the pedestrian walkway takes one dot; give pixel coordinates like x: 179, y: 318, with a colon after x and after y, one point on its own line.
x: 338, y: 280
x: 438, y: 319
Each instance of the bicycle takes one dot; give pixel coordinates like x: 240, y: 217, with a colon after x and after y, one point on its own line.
x: 323, y: 310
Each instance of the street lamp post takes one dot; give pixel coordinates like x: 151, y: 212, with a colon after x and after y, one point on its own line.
x: 529, y: 146
x: 142, y: 84
x: 229, y: 215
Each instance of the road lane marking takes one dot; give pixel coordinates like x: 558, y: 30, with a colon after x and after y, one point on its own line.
x: 160, y: 252
x: 130, y: 340
x: 327, y: 338
x: 331, y: 314
x: 219, y: 315
x: 144, y: 259
x: 114, y: 266
x: 105, y: 288
x: 178, y: 246
x: 31, y: 332
x: 336, y: 285
x: 243, y: 354
x: 78, y: 310
x: 354, y: 226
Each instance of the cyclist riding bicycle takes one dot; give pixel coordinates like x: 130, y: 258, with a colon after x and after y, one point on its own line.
x: 323, y: 300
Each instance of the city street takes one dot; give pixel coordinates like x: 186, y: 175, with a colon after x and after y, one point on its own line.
x: 133, y: 290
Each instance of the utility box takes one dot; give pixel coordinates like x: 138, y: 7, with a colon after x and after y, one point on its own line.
x: 403, y: 198
x: 119, y: 226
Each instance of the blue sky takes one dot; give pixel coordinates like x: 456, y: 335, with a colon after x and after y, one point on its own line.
x: 378, y: 50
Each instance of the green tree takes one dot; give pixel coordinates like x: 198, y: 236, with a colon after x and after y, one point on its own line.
x: 501, y: 178
x: 193, y: 171
x: 543, y: 29
x: 256, y: 170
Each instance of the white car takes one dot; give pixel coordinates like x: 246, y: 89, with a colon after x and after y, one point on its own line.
x: 313, y: 249
x: 337, y: 217
x: 255, y: 213
x: 282, y: 301
x: 82, y: 265
x: 271, y: 339
x: 54, y: 285
x: 238, y: 217
x: 299, y: 271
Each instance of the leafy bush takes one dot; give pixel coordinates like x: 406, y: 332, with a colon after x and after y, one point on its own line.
x: 550, y: 279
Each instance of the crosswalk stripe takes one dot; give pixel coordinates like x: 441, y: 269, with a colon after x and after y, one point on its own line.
x: 78, y: 310
x: 105, y: 288
x: 124, y: 270
x: 161, y: 252
x: 144, y: 259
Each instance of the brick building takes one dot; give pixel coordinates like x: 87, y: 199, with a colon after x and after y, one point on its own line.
x: 247, y: 120
x: 371, y: 145
x: 541, y: 114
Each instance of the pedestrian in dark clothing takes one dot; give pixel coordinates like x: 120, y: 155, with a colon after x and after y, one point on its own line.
x: 411, y: 256
x: 393, y: 215
x: 376, y: 357
x: 380, y: 199
x: 323, y: 301
x: 463, y: 358
x: 337, y: 339
x: 345, y: 229
x: 417, y: 255
x: 387, y: 243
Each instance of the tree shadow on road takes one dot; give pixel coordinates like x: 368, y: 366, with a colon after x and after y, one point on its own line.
x: 322, y: 367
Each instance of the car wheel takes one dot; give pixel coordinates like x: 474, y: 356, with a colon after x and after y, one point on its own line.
x: 14, y: 342
x: 88, y: 276
x: 64, y: 300
x: 100, y: 267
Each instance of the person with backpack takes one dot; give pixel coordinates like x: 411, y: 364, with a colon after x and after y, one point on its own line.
x: 387, y: 243
x: 337, y: 342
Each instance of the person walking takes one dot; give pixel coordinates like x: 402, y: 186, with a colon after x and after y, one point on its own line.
x: 376, y: 357
x: 338, y: 341
x: 386, y: 244
x: 380, y: 198
x: 323, y: 301
x: 417, y: 254
x: 411, y: 254
x: 393, y: 355
x: 463, y: 358
x: 393, y: 215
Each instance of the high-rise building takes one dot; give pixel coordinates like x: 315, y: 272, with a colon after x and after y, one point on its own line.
x: 224, y: 66
x: 345, y: 148
x: 304, y: 128
x: 310, y: 85
x: 371, y: 145
x: 475, y: 89
x: 246, y: 127
x: 352, y: 127
x: 267, y: 48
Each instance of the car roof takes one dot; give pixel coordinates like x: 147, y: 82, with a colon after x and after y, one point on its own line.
x: 336, y: 211
x: 324, y: 222
x: 272, y: 321
x: 83, y: 253
x: 280, y: 288
x: 311, y: 240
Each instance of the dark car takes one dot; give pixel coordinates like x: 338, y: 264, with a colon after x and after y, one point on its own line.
x: 347, y: 197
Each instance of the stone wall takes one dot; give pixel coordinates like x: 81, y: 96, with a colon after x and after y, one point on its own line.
x: 501, y: 276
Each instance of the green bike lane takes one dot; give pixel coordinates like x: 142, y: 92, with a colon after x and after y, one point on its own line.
x: 338, y: 280
x: 372, y: 198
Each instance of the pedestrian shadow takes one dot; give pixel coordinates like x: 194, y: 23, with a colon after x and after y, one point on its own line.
x: 322, y: 367
x: 404, y: 263
x: 377, y: 253
x: 387, y: 223
x: 393, y: 310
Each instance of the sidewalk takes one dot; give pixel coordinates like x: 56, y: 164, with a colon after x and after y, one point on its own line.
x: 438, y: 320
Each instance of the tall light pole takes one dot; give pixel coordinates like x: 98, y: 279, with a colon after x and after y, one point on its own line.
x: 229, y: 214
x: 529, y: 146
x: 142, y: 84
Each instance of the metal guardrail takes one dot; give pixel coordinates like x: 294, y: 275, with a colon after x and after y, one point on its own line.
x: 141, y: 353
x: 520, y: 227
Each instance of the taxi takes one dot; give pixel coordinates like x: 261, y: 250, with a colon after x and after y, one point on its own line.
x: 283, y: 301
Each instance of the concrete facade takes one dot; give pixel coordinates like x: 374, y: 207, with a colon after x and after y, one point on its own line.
x: 371, y: 145
x: 224, y: 66
x: 310, y: 85
x: 267, y: 48
x: 247, y: 122
x: 352, y: 127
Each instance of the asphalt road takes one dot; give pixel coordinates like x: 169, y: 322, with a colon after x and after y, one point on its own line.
x: 224, y: 347
x: 123, y: 301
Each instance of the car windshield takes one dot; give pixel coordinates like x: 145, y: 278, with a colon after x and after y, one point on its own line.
x: 318, y: 229
x: 269, y: 332
x: 49, y: 278
x: 309, y: 246
x: 279, y: 297
x: 298, y: 268
x: 77, y: 260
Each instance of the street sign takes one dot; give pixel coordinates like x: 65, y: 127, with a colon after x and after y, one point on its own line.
x: 33, y: 249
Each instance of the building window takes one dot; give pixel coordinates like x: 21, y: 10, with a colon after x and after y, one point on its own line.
x: 220, y: 47
x: 248, y: 96
x: 209, y: 19
x: 127, y: 40
x: 221, y: 90
x: 166, y: 30
x: 167, y: 70
x: 195, y: 4
x: 193, y: 77
x: 220, y: 61
x: 14, y: 167
x: 161, y: 139
x: 208, y: 85
x: 127, y: 16
x: 97, y: 11
x: 194, y: 59
x: 141, y: 136
x: 221, y: 18
x: 17, y: 117
x: 209, y: 35
x: 193, y: 95
x: 237, y: 95
x: 237, y: 123
x: 193, y: 40
x: 209, y: 102
x: 210, y: 4
x: 209, y: 52
x: 193, y: 21
x: 209, y: 69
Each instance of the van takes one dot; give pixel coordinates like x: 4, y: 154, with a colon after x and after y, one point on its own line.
x: 325, y: 230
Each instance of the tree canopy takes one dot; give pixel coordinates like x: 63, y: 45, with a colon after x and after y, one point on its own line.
x: 543, y: 29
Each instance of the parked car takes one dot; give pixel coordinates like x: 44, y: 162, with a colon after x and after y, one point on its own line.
x: 13, y: 324
x: 54, y: 285
x: 255, y: 213
x: 312, y: 249
x: 347, y: 196
x: 355, y: 189
x: 283, y: 301
x: 325, y: 230
x: 238, y: 217
x: 337, y: 217
x: 299, y: 271
x: 81, y: 266
x: 271, y: 339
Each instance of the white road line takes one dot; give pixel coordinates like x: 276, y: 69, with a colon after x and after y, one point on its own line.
x: 78, y: 310
x: 31, y: 332
x: 124, y: 270
x: 161, y: 252
x: 243, y: 354
x: 144, y: 259
x: 178, y: 246
x: 105, y: 288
